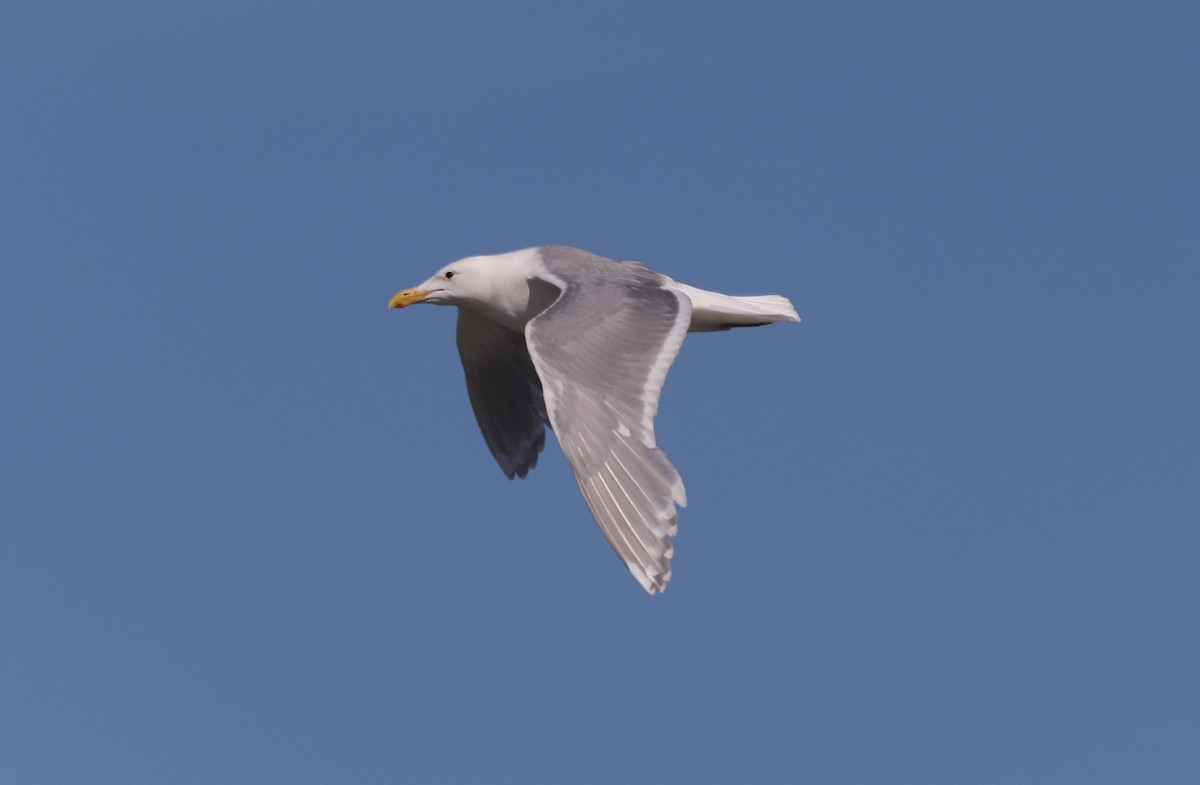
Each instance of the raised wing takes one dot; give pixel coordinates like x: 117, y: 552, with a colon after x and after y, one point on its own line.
x: 505, y: 391
x: 602, y: 352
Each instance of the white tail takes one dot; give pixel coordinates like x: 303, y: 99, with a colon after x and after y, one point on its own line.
x: 714, y: 311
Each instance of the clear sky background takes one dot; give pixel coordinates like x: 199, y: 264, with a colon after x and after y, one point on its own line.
x: 945, y: 530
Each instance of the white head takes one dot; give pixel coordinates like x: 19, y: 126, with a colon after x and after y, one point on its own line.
x: 504, y: 287
x: 459, y: 283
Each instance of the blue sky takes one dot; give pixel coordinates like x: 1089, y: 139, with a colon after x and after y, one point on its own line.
x: 942, y: 531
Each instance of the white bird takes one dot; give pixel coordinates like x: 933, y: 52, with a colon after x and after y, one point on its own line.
x: 561, y: 337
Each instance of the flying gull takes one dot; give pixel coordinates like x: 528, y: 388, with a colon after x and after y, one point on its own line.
x: 561, y: 337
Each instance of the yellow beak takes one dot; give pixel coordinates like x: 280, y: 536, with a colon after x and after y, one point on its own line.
x: 407, y: 297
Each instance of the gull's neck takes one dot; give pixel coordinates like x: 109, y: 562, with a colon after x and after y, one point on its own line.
x: 516, y: 289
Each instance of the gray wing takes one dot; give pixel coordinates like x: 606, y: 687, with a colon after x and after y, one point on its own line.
x: 602, y: 350
x: 505, y: 391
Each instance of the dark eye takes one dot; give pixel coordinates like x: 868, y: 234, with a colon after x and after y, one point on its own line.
x: 449, y: 274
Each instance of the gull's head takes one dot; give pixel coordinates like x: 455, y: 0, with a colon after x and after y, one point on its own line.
x: 477, y: 281
x: 454, y: 284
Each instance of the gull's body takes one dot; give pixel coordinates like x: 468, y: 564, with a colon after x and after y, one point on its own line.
x: 561, y: 337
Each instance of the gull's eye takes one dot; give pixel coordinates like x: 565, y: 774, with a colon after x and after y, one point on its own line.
x: 449, y: 274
